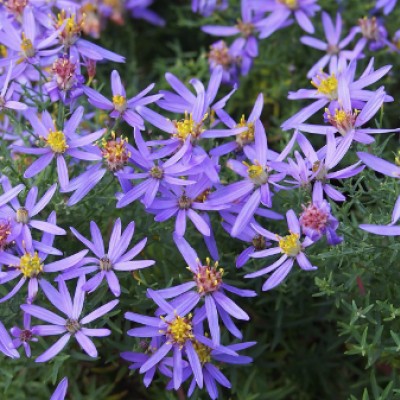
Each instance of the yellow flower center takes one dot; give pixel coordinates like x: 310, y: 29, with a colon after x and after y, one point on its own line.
x: 397, y: 158
x: 327, y: 85
x: 187, y: 126
x: 342, y: 120
x: 57, y: 142
x: 3, y: 51
x: 290, y: 244
x: 257, y: 173
x: 119, y: 103
x: 72, y: 28
x: 245, y: 28
x: 245, y: 137
x: 208, y: 278
x: 30, y: 265
x: 292, y: 4
x: 22, y: 215
x: 179, y: 330
x: 115, y: 152
x: 203, y: 352
x: 27, y: 47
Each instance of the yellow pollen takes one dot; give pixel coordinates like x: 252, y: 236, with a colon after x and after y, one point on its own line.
x: 30, y: 265
x: 56, y: 141
x: 180, y: 329
x: 340, y: 116
x: 185, y: 127
x: 119, y: 102
x: 3, y: 51
x: 203, y: 352
x: 292, y: 4
x: 290, y: 244
x: 397, y: 158
x: 327, y: 86
x: 27, y: 46
x: 248, y: 136
x: 257, y: 173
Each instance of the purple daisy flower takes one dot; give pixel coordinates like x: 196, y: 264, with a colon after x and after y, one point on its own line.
x: 291, y: 248
x: 345, y: 120
x: 373, y: 33
x: 209, y: 287
x: 22, y: 217
x: 120, y: 106
x: 6, y: 345
x: 334, y: 46
x: 281, y: 11
x: 61, y: 390
x: 30, y: 264
x: 25, y: 335
x: 116, y: 259
x: 257, y: 180
x: 58, y: 144
x: 207, y: 7
x: 316, y: 221
x: 337, y: 89
x: 72, y: 324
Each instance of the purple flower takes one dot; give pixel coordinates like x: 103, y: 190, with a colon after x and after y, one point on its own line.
x: 210, y: 288
x: 6, y: 346
x: 207, y: 7
x: 281, y: 11
x: 120, y: 106
x: 334, y: 47
x: 291, y: 248
x: 61, y: 390
x: 58, y: 144
x: 25, y: 335
x: 72, y: 324
x: 30, y: 264
x: 387, y: 5
x: 373, y: 32
x: 338, y: 89
x: 118, y: 258
x: 257, y: 180
x: 316, y: 221
x: 22, y: 217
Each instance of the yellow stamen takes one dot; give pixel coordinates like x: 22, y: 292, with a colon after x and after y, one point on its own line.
x: 247, y: 136
x: 203, y: 352
x: 57, y: 142
x: 30, y: 265
x: 119, y: 103
x: 290, y: 244
x: 292, y: 4
x: 27, y: 46
x: 327, y: 86
x: 257, y: 173
x: 180, y: 329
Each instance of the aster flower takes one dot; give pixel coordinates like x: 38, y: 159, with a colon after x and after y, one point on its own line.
x: 185, y: 202
x: 212, y: 373
x: 120, y: 107
x: 6, y: 343
x: 345, y: 120
x: 6, y: 94
x: 391, y: 170
x: 27, y: 45
x: 115, y: 154
x: 209, y: 287
x: 72, y: 325
x: 336, y: 89
x: 281, y: 11
x: 118, y: 258
x: 373, y: 33
x: 61, y: 390
x: 257, y: 180
x: 334, y: 46
x: 291, y: 248
x: 154, y: 174
x: 387, y: 5
x: 22, y: 217
x: 58, y: 144
x: 30, y: 264
x: 316, y: 221
x: 25, y: 335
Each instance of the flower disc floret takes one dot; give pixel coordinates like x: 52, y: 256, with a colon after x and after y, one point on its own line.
x: 292, y: 4
x: 290, y: 244
x: 72, y: 28
x: 27, y: 48
x: 30, y: 265
x: 326, y: 85
x: 208, y: 278
x: 57, y: 142
x: 179, y: 330
x: 188, y: 126
x: 246, y: 29
x: 119, y: 102
x: 184, y: 202
x: 22, y: 215
x: 369, y: 28
x: 156, y: 172
x: 203, y: 352
x: 115, y: 152
x: 314, y: 218
x: 246, y: 137
x: 343, y: 121
x: 5, y: 231
x: 72, y: 325
x: 257, y: 173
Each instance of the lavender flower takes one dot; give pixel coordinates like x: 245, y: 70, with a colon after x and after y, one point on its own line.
x: 334, y: 47
x: 120, y: 107
x: 72, y: 324
x: 58, y: 144
x: 6, y: 346
x: 209, y: 285
x: 291, y: 248
x: 116, y: 259
x: 25, y: 335
x: 61, y: 390
x: 207, y: 7
x: 373, y: 33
